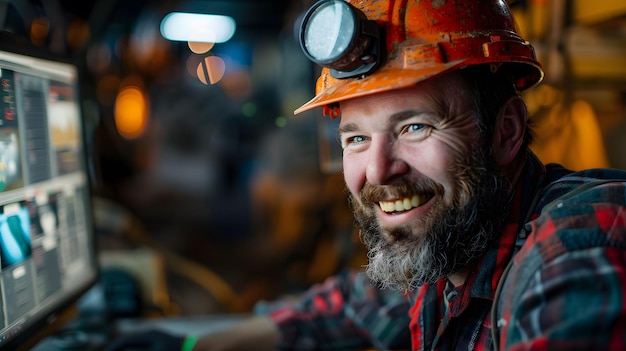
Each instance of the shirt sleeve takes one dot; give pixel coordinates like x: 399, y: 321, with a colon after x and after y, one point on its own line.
x: 346, y: 312
x: 566, y: 290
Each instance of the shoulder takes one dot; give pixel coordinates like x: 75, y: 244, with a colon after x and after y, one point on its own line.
x: 589, y: 211
x: 571, y: 271
x: 562, y: 184
x: 580, y: 219
x: 578, y: 211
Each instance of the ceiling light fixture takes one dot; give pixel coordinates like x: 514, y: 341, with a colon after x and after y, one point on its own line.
x: 197, y: 27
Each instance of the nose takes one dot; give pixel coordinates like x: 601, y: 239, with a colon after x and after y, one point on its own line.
x: 384, y: 162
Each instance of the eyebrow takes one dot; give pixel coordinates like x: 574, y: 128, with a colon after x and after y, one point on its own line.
x: 393, y: 119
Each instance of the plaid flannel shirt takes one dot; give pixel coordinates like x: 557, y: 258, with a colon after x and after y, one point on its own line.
x: 565, y: 289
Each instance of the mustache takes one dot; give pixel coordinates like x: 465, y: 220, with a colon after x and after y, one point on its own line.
x: 372, y: 194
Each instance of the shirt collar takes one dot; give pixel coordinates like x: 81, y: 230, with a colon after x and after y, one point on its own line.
x: 483, y: 281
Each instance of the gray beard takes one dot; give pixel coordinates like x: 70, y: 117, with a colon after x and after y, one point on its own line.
x: 457, y: 239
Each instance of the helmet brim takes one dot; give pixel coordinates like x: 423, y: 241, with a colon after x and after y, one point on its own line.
x: 392, y: 77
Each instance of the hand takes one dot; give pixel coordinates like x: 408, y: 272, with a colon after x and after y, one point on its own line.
x: 153, y: 340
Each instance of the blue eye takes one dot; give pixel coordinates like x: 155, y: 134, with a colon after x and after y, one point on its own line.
x: 353, y: 140
x: 415, y: 127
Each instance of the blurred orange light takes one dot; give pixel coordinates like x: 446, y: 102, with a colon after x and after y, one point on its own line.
x: 39, y: 31
x: 78, y: 34
x: 131, y: 115
x: 211, y: 70
x: 200, y: 47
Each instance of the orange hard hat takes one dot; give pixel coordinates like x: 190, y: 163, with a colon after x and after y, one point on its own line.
x: 416, y: 40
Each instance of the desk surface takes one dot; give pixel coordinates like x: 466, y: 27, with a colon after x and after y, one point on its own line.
x: 71, y: 339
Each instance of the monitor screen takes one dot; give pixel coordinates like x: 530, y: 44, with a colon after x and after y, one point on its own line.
x: 47, y: 252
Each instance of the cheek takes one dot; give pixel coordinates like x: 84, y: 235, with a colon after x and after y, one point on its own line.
x: 456, y: 151
x: 435, y: 159
x: 353, y: 173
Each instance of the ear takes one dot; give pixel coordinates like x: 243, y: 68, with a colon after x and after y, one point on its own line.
x: 509, y: 132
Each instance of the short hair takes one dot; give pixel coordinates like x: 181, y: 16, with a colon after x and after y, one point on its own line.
x: 489, y: 88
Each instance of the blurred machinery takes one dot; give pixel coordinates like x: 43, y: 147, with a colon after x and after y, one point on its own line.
x: 579, y: 111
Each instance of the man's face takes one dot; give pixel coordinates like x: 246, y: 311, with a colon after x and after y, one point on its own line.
x: 424, y: 189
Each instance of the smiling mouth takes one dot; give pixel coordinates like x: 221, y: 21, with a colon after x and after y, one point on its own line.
x: 403, y: 204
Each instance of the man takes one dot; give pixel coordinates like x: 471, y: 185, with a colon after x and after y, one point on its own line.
x: 473, y: 242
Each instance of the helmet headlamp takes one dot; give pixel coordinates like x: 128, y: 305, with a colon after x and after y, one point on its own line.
x: 336, y: 35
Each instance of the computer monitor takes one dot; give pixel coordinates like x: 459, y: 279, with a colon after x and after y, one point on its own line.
x: 47, y: 250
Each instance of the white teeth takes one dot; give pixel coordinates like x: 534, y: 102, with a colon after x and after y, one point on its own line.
x: 407, y: 204
x: 415, y: 201
x: 401, y: 204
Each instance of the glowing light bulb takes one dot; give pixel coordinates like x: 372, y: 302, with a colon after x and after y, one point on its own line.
x: 196, y: 27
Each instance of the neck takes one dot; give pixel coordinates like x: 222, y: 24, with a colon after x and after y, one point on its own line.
x: 458, y: 278
x: 514, y: 171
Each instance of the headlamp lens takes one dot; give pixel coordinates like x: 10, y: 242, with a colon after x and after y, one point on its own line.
x: 337, y: 35
x: 329, y: 31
